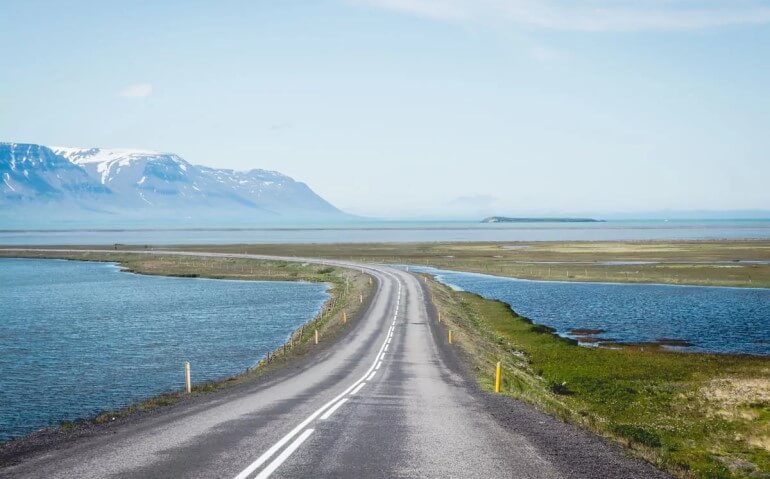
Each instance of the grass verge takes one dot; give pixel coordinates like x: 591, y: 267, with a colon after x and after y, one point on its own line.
x: 694, y: 415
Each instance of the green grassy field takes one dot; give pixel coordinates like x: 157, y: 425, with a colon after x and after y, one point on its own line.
x: 694, y: 415
x: 715, y: 263
x: 673, y: 262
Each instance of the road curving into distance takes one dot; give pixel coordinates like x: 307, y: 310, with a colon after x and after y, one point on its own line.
x: 387, y: 399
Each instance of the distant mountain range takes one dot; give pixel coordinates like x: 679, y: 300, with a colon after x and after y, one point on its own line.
x: 40, y: 184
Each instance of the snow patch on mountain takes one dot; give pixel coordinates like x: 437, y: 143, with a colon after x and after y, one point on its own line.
x: 35, y: 171
x: 141, y: 180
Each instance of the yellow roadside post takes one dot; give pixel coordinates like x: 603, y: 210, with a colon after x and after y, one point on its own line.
x: 498, y: 376
x: 344, y: 317
x: 450, y: 336
x: 316, y: 336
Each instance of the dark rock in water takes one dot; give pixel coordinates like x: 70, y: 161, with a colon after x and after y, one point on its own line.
x: 660, y: 344
x: 586, y: 331
x: 683, y: 343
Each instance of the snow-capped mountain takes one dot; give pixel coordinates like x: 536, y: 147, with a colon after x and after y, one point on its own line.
x: 34, y: 171
x: 147, y: 183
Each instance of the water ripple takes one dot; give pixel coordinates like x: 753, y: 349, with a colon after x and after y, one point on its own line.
x: 77, y: 338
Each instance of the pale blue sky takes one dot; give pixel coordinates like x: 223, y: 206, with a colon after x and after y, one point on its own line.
x: 415, y: 107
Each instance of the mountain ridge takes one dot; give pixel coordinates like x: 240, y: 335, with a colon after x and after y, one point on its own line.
x: 131, y: 183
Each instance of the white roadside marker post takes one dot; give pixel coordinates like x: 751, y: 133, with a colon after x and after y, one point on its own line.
x: 187, y: 378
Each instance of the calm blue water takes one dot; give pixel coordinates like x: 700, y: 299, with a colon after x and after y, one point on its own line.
x: 77, y: 338
x: 725, y: 320
x: 415, y: 231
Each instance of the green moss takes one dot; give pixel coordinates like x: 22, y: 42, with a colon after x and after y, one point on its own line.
x: 636, y: 434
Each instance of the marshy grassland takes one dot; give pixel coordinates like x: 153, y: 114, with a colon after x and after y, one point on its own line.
x: 741, y: 263
x: 709, y: 263
x: 346, y: 288
x: 694, y: 415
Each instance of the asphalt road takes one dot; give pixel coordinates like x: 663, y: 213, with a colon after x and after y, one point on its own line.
x: 388, y: 399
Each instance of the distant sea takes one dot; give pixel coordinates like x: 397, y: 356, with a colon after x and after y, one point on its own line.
x: 404, y: 231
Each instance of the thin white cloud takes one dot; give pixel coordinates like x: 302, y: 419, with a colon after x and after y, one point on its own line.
x: 546, y: 54
x: 590, y: 15
x: 138, y: 90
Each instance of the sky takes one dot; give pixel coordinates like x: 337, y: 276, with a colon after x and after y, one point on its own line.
x: 415, y: 108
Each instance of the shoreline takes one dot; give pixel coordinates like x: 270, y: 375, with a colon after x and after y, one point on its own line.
x: 662, y: 344
x: 264, y: 369
x: 589, y: 341
x: 667, y: 407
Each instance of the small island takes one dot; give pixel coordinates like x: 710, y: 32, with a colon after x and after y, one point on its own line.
x: 506, y: 219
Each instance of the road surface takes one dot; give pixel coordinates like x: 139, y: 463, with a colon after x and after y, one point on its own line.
x: 388, y: 399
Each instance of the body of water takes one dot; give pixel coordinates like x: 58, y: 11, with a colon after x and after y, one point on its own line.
x: 77, y: 338
x: 713, y: 319
x: 427, y: 231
